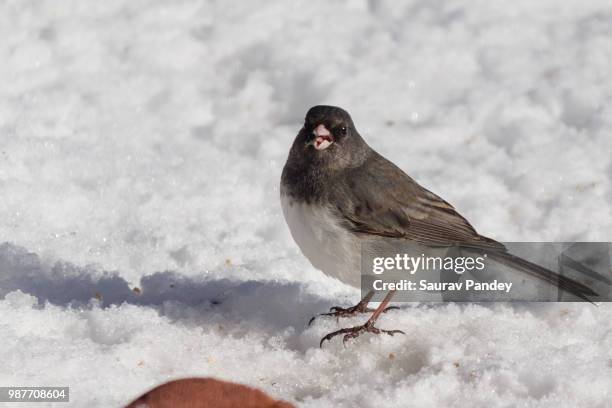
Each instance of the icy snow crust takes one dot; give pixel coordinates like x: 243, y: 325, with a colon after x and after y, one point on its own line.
x: 142, y: 144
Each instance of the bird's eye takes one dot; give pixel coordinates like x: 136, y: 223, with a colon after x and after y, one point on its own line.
x: 342, y: 130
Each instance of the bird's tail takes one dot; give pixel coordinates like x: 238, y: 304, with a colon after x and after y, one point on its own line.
x: 563, y: 282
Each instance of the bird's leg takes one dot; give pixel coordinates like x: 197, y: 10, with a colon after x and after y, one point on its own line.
x: 368, y: 327
x: 361, y: 307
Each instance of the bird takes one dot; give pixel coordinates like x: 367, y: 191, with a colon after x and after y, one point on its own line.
x: 338, y: 193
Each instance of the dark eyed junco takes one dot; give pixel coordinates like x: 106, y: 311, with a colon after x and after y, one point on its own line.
x: 336, y: 192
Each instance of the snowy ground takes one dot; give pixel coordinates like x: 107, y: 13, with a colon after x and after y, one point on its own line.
x: 141, y: 144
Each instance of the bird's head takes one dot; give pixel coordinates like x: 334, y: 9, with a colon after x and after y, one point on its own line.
x: 329, y: 138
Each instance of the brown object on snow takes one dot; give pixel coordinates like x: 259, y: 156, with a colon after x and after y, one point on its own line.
x: 205, y: 393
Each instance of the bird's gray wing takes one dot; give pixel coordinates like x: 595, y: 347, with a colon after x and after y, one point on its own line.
x: 380, y: 199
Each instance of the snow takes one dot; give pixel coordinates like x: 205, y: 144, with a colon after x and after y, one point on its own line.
x: 141, y: 145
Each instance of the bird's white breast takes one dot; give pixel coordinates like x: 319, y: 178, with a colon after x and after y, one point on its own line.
x: 327, y: 245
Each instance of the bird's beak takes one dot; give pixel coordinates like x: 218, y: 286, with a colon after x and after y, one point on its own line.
x: 322, y: 138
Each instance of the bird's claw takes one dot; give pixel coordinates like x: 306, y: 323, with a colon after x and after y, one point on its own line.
x: 385, y: 310
x: 348, y: 311
x: 354, y: 332
x: 339, y: 312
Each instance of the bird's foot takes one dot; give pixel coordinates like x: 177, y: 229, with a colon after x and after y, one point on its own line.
x: 339, y: 312
x: 354, y: 332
